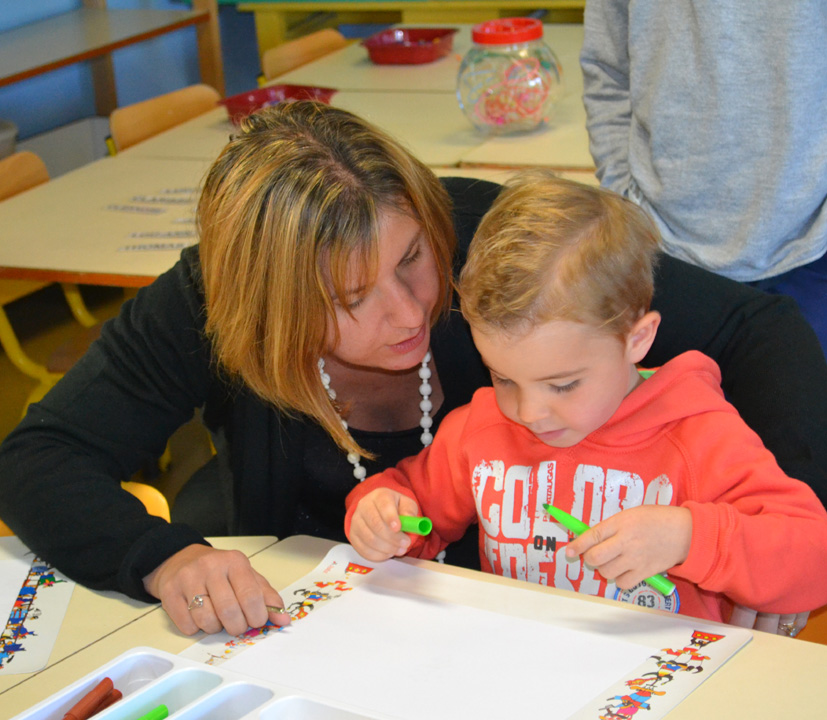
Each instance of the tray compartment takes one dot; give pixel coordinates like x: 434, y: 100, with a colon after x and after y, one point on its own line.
x: 179, y: 689
x: 229, y: 702
x: 129, y: 674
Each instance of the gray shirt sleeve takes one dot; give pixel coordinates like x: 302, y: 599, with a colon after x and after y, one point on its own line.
x: 604, y: 60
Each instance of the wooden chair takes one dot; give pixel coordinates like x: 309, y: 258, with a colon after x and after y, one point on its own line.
x: 21, y: 171
x: 18, y: 172
x: 816, y: 630
x: 152, y: 498
x: 61, y: 360
x: 295, y: 53
x: 59, y: 363
x: 135, y: 123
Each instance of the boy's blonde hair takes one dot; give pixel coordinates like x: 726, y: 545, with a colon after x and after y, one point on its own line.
x: 291, y: 199
x: 553, y: 249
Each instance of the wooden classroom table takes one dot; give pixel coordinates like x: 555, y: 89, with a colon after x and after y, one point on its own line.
x: 93, y: 615
x: 771, y: 677
x: 430, y: 124
x: 69, y: 230
x: 350, y: 68
x: 562, y: 145
x: 272, y: 16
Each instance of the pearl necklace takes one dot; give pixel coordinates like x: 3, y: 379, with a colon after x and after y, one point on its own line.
x: 426, y: 422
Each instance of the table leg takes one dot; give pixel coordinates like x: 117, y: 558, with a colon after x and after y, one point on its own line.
x: 271, y: 28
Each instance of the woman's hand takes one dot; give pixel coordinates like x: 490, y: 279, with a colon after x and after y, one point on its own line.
x: 234, y: 596
x: 636, y: 543
x: 375, y: 529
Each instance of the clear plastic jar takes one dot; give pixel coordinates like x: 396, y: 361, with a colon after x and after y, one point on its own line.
x: 510, y: 79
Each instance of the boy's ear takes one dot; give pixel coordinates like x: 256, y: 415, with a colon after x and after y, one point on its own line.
x: 642, y: 335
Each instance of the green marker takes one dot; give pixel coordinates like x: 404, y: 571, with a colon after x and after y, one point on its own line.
x: 416, y: 525
x: 578, y: 527
x: 158, y: 713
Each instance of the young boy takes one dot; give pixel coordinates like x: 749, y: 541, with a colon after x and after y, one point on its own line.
x: 557, y: 290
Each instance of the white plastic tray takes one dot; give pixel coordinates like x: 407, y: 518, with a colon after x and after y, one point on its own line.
x: 191, y: 691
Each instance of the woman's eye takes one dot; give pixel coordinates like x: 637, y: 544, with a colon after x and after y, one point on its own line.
x: 497, y: 380
x: 413, y: 257
x: 349, y: 306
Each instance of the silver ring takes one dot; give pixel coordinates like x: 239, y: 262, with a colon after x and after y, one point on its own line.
x: 788, y: 629
x: 197, y: 601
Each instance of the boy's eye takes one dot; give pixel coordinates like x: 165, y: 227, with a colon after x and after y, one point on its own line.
x: 565, y: 388
x: 497, y: 380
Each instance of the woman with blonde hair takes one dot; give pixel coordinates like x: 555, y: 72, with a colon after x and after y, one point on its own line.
x: 313, y: 326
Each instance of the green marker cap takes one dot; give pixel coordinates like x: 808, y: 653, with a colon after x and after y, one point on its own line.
x: 661, y: 584
x: 416, y: 525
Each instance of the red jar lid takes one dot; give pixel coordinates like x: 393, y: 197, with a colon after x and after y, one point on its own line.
x: 507, y: 31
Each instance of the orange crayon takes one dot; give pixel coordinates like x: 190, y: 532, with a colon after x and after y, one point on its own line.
x: 88, y: 704
x: 113, y: 697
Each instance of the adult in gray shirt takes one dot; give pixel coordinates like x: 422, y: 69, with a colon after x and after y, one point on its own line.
x: 710, y: 114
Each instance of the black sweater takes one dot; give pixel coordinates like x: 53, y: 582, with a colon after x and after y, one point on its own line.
x: 60, y: 469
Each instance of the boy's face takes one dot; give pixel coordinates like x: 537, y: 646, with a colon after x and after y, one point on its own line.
x: 562, y: 380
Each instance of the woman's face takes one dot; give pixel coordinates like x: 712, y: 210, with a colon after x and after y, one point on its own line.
x: 389, y: 322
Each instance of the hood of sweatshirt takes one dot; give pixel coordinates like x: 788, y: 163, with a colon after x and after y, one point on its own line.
x: 688, y: 385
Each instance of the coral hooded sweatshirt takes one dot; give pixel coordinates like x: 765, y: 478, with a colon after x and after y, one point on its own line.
x: 759, y: 538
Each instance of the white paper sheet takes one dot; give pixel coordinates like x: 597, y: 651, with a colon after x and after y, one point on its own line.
x: 33, y: 602
x: 412, y: 657
x: 405, y: 642
x: 14, y: 566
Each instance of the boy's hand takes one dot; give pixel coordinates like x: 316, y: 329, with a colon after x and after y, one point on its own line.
x: 636, y: 543
x: 375, y: 530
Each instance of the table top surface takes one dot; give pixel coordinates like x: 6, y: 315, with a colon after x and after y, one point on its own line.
x: 772, y: 677
x: 431, y: 124
x: 94, y: 244
x: 84, y: 226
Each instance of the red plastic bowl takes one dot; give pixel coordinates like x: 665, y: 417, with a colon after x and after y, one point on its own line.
x: 409, y: 46
x: 241, y: 105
